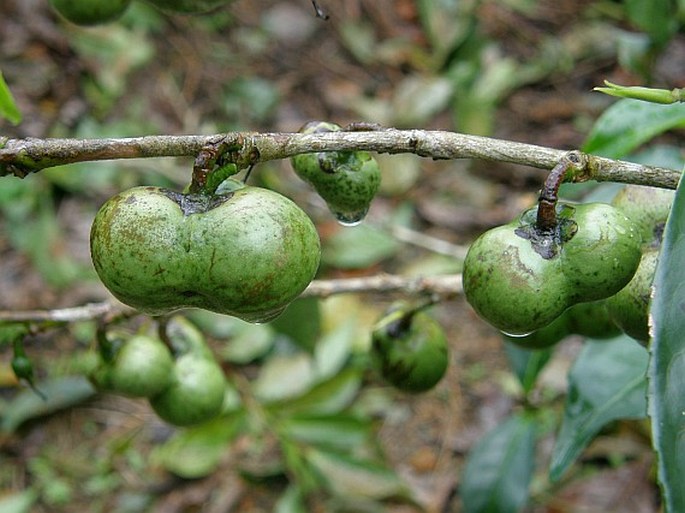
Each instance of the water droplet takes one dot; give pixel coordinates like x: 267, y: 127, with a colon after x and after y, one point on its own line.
x: 350, y: 218
x: 516, y: 335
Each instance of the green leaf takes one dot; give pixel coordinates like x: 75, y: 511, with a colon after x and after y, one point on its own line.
x: 291, y: 501
x: 355, y: 478
x: 526, y: 363
x: 629, y: 123
x: 328, y: 397
x: 19, y: 502
x: 59, y: 394
x: 8, y: 109
x: 344, y: 432
x: 607, y: 382
x: 658, y: 18
x: 301, y: 322
x: 359, y: 247
x: 197, y: 451
x: 499, y: 468
x: 667, y: 364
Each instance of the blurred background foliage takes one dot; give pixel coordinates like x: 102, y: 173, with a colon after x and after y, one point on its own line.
x: 307, y: 425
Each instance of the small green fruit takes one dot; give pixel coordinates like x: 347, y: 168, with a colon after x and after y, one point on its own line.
x: 346, y: 180
x: 90, y: 12
x: 196, y: 392
x: 141, y: 368
x: 648, y: 208
x: 629, y: 308
x: 520, y: 280
x: 247, y: 252
x: 188, y: 6
x: 410, y: 349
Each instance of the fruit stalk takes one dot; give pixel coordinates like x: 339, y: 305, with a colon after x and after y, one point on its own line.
x: 549, y: 195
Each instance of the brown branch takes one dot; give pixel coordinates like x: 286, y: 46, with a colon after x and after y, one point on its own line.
x: 445, y: 286
x: 23, y: 156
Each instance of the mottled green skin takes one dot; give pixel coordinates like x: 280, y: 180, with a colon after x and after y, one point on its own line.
x: 90, y: 12
x: 346, y: 180
x: 196, y: 393
x: 586, y: 319
x: 248, y: 254
x: 141, y: 368
x: 412, y: 357
x: 648, y: 208
x: 518, y: 291
x: 188, y: 6
x: 629, y: 308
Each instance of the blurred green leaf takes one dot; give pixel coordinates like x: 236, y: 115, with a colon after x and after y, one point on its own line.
x: 248, y: 344
x: 333, y: 349
x: 301, y: 322
x: 358, y: 247
x: 629, y: 123
x: 499, y: 468
x: 197, y: 451
x: 19, y: 502
x: 291, y: 501
x: 8, y: 108
x: 11, y: 331
x: 526, y: 363
x: 655, y: 17
x: 328, y: 397
x: 607, y: 382
x: 419, y: 99
x: 667, y: 365
x: 447, y: 23
x: 284, y: 377
x: 353, y: 478
x: 343, y: 432
x: 60, y: 393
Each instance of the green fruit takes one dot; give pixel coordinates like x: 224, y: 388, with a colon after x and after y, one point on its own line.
x: 410, y: 349
x: 629, y: 308
x: 586, y: 319
x: 520, y: 279
x: 346, y: 180
x: 196, y: 392
x: 246, y: 252
x: 591, y: 320
x: 90, y: 12
x: 188, y: 6
x: 648, y: 208
x: 22, y: 367
x: 141, y: 368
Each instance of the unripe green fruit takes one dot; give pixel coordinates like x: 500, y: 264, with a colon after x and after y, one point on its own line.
x: 515, y: 288
x: 346, y: 180
x: 648, y: 208
x: 22, y: 367
x: 141, y: 368
x: 90, y: 12
x: 411, y: 351
x: 629, y: 308
x: 196, y: 392
x: 247, y: 252
x: 188, y: 6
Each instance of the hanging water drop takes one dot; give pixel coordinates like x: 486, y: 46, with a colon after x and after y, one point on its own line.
x: 351, y: 218
x: 517, y: 335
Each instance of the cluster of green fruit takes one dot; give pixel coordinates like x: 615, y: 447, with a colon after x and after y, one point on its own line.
x: 595, y: 283
x: 95, y: 12
x: 183, y: 383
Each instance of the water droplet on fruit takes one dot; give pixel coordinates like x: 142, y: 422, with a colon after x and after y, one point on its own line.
x: 516, y: 335
x: 350, y: 218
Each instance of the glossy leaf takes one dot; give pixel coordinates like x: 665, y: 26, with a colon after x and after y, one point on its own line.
x: 629, y: 123
x: 499, y: 468
x: 8, y: 108
x: 607, y: 382
x: 59, y: 394
x: 197, y: 451
x: 667, y: 365
x: 526, y: 363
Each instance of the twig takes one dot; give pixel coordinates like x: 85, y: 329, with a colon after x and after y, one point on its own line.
x: 445, y: 286
x: 23, y: 156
